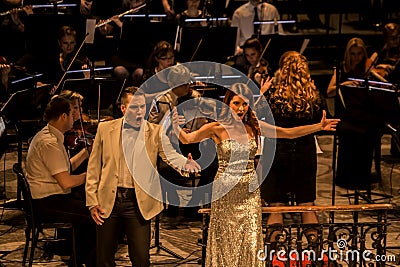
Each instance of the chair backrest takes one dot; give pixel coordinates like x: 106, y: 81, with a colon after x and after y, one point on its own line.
x: 26, y: 194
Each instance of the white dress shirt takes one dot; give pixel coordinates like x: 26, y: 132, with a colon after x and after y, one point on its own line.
x: 243, y: 18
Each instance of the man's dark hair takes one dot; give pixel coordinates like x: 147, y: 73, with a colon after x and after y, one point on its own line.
x: 71, y: 95
x: 252, y: 43
x: 132, y: 90
x: 56, y: 107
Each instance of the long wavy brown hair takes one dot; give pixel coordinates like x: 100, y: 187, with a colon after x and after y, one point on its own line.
x: 295, y: 91
x: 242, y: 90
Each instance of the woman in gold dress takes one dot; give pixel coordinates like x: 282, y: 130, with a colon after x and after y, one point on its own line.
x: 235, y: 230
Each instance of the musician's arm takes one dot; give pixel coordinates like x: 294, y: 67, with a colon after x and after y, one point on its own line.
x: 331, y: 91
x: 167, y: 8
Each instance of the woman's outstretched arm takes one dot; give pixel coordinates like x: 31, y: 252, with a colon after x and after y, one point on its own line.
x: 272, y: 131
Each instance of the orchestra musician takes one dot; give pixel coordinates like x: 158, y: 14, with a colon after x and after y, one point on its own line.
x: 389, y: 57
x: 162, y: 57
x: 251, y: 62
x: 125, y: 66
x: 179, y: 80
x: 12, y: 30
x: 13, y: 14
x: 48, y: 171
x: 76, y: 141
x: 355, y: 65
x: 192, y: 12
x: 388, y: 64
x: 357, y: 138
x: 168, y: 7
x: 78, y: 132
x: 56, y: 65
x: 245, y: 16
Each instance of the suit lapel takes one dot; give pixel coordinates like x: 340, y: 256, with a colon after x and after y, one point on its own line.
x: 115, y: 135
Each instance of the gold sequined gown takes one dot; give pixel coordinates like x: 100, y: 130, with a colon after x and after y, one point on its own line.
x: 235, y: 233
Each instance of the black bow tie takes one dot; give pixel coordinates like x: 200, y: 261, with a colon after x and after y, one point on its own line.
x: 128, y: 126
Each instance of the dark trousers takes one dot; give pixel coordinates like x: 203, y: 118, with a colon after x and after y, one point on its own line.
x: 125, y: 215
x: 65, y: 208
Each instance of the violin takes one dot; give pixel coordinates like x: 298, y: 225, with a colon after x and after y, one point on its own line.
x: 77, y: 139
x: 261, y: 68
x: 4, y: 61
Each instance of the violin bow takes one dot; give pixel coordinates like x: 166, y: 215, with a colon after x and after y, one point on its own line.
x: 81, y: 124
x: 263, y: 52
x: 304, y: 46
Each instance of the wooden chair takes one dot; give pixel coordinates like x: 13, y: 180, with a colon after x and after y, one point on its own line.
x: 34, y: 225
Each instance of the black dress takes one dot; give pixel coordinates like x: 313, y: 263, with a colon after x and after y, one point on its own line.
x: 294, y: 167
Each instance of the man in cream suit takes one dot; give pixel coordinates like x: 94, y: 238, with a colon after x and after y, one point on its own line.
x: 122, y: 184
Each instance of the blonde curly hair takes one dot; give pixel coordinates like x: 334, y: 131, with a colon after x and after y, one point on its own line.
x: 295, y: 92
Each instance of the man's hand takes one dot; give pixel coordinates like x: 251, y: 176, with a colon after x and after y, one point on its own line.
x: 328, y: 124
x: 192, y: 166
x: 96, y: 213
x: 168, y: 9
x: 85, y: 7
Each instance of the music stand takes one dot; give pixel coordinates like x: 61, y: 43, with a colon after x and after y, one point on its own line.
x: 29, y: 81
x: 204, y: 43
x: 98, y: 93
x: 367, y: 109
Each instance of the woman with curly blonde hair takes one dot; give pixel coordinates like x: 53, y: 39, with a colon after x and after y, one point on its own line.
x: 294, y: 100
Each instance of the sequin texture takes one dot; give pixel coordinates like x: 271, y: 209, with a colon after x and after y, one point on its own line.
x: 235, y: 233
